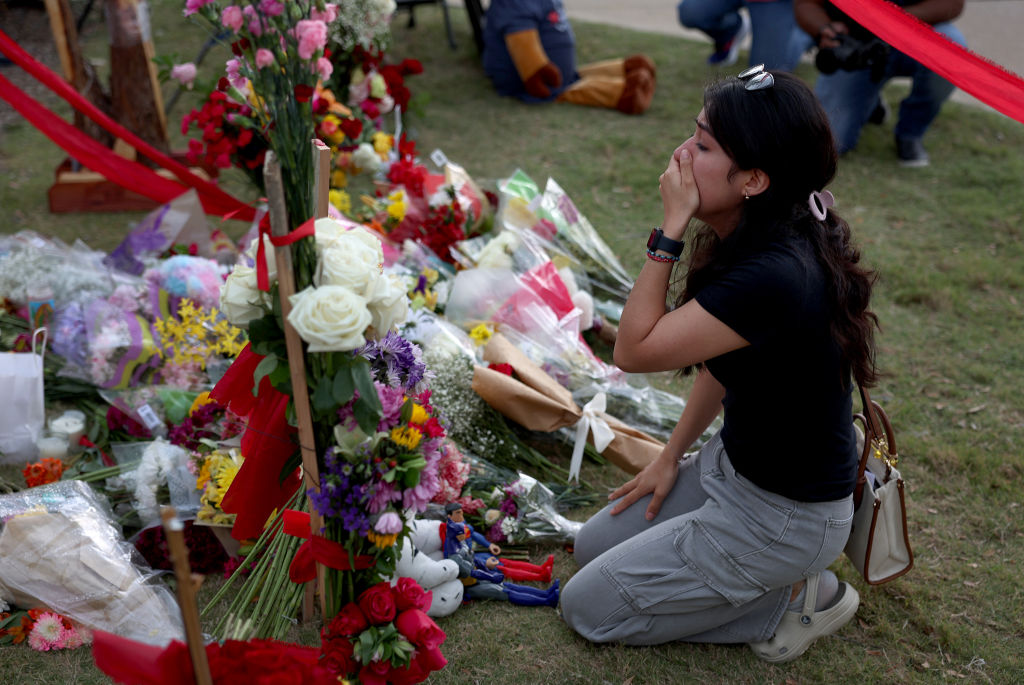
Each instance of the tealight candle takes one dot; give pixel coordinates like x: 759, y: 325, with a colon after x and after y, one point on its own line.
x: 53, y: 447
x: 69, y: 426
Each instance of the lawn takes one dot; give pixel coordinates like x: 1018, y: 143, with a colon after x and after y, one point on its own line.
x: 946, y: 241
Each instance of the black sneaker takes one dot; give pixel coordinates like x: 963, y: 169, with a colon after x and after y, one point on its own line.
x: 880, y: 113
x: 911, y: 152
x: 726, y: 53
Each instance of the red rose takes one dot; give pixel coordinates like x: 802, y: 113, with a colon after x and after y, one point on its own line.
x: 501, y: 368
x: 429, y: 659
x: 408, y: 675
x: 419, y: 629
x: 378, y: 604
x: 303, y: 93
x: 375, y: 673
x: 349, y: 621
x: 409, y: 595
x: 337, y: 656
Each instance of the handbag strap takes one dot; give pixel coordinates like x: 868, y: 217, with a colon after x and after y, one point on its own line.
x: 879, y: 440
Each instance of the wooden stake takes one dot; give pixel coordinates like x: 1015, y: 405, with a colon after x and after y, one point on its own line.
x: 174, y: 530
x: 293, y: 344
x: 321, y: 178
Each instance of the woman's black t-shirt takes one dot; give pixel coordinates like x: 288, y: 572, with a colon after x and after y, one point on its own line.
x: 788, y: 424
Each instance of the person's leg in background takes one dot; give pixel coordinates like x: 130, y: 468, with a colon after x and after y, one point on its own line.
x: 722, y: 21
x: 928, y: 92
x: 849, y: 98
x: 777, y: 41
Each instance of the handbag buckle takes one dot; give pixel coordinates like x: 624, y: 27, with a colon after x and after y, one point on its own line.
x: 881, y: 446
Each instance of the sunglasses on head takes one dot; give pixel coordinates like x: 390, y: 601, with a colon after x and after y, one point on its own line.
x: 756, y: 78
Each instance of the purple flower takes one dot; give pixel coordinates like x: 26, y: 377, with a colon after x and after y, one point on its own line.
x: 396, y: 361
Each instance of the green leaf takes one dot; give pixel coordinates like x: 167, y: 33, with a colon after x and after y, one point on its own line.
x: 264, y: 333
x: 323, y: 400
x: 344, y: 385
x: 366, y: 417
x: 406, y: 415
x: 267, y: 365
x: 363, y: 378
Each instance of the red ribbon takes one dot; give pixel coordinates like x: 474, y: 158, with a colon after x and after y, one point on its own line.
x: 304, y: 231
x: 984, y: 79
x: 317, y: 548
x: 128, y: 174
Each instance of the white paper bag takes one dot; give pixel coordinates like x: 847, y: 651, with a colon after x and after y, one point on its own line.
x: 23, y: 416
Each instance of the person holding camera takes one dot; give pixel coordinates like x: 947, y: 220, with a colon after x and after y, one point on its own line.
x: 854, y: 66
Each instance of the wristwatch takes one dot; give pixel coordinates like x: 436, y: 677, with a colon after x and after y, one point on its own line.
x: 659, y: 241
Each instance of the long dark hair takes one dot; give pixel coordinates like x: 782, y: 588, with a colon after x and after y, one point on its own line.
x: 783, y: 131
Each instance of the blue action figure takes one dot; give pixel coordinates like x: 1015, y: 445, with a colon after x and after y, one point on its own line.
x: 479, y: 571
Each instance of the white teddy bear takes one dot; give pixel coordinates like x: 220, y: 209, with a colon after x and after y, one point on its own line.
x: 422, y: 560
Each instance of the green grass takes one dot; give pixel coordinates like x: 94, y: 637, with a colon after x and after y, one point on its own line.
x: 947, y: 243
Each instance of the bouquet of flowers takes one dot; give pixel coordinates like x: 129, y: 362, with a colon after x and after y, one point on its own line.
x: 378, y: 439
x: 42, y: 629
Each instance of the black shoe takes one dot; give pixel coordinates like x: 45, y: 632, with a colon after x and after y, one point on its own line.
x: 911, y: 152
x: 880, y: 113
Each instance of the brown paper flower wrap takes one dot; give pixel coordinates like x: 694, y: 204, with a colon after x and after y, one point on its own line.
x: 538, y: 402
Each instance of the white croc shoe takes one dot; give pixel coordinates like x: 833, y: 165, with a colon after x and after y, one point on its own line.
x: 798, y: 629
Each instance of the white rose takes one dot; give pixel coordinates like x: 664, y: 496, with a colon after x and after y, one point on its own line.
x: 497, y: 254
x: 240, y: 300
x: 330, y: 318
x: 366, y: 158
x: 354, y: 260
x: 268, y: 251
x: 327, y: 232
x: 389, y: 305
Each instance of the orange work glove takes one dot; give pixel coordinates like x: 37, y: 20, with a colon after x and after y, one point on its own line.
x: 538, y: 73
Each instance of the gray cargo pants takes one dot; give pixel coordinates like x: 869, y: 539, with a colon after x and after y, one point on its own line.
x: 716, y: 565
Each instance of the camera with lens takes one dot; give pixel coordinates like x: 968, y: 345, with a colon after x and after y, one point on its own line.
x: 854, y: 54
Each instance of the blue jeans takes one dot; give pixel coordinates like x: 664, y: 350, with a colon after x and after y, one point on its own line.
x: 777, y: 41
x: 716, y: 565
x: 849, y: 97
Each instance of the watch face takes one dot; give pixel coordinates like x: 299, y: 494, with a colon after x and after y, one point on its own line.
x: 652, y: 241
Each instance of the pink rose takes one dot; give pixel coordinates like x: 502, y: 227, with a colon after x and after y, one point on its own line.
x: 185, y: 74
x: 231, y: 17
x: 264, y: 58
x: 312, y: 37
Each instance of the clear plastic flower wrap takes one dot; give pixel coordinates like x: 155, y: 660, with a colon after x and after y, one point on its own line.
x: 632, y: 399
x: 553, y: 216
x: 60, y: 548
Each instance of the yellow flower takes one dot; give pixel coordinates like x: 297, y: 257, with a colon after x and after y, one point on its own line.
x: 419, y: 415
x: 204, y: 476
x: 406, y: 436
x: 199, y: 401
x: 396, y: 210
x: 382, y: 541
x: 340, y: 199
x: 382, y: 143
x: 339, y: 179
x: 480, y: 334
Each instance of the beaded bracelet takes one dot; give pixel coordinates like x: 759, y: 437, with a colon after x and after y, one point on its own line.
x: 651, y: 254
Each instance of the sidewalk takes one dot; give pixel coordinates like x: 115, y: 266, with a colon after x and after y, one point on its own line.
x: 992, y: 27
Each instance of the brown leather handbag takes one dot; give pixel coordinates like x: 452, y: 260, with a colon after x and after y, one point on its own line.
x: 879, y: 544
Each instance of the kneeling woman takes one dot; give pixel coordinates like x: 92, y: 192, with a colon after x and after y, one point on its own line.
x: 732, y: 544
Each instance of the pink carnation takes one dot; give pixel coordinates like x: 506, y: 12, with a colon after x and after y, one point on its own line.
x: 264, y: 58
x: 232, y: 18
x: 329, y: 14
x: 312, y: 37
x: 193, y: 6
x: 184, y: 74
x: 324, y: 66
x: 255, y: 21
x: 271, y: 8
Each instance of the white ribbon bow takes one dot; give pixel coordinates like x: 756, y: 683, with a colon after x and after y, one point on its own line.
x: 590, y: 421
